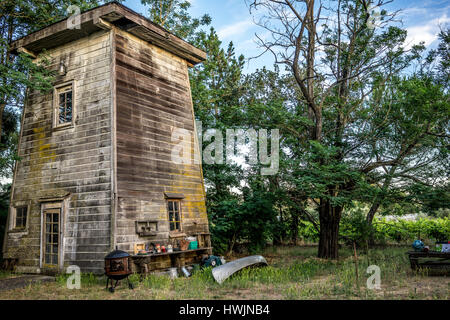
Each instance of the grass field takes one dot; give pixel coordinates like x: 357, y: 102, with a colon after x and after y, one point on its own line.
x: 293, y: 273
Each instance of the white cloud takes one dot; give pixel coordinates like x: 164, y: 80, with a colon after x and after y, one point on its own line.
x: 419, y: 34
x: 413, y: 11
x: 233, y: 29
x: 427, y: 32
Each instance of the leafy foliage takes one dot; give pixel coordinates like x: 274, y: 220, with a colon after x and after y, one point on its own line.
x: 250, y: 221
x: 4, y: 207
x: 173, y: 15
x: 19, y: 72
x: 353, y: 228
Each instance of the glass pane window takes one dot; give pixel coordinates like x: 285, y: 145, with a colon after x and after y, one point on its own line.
x: 21, y: 217
x: 174, y: 210
x: 65, y: 105
x: 52, y: 236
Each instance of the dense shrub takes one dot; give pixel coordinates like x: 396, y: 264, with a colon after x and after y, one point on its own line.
x: 355, y: 228
x: 405, y: 230
x: 225, y: 219
x: 251, y: 221
x: 307, y: 231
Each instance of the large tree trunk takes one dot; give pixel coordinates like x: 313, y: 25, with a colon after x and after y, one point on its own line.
x: 231, y: 245
x: 369, y: 219
x: 294, y: 226
x: 329, y: 230
x: 279, y: 236
x: 2, y: 109
x: 377, y: 202
x: 373, y: 210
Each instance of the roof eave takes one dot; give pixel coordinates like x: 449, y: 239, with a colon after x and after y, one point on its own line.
x: 115, y: 14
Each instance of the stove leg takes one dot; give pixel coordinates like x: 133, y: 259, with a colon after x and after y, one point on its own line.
x: 111, y: 289
x: 130, y: 285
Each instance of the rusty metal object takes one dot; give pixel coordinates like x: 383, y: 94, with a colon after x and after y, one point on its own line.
x: 184, y: 244
x: 223, y: 272
x: 117, y: 267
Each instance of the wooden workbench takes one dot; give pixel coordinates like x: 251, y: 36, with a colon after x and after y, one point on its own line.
x: 177, y: 259
x: 430, y: 259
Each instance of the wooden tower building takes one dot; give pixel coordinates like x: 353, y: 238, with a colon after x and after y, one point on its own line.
x: 97, y: 169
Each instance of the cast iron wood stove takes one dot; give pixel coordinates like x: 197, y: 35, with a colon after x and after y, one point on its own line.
x: 117, y: 267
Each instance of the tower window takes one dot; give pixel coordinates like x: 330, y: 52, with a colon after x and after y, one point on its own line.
x: 21, y: 217
x: 174, y: 210
x: 64, y: 105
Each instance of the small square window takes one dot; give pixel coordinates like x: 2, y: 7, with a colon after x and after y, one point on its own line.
x: 21, y: 217
x: 174, y: 211
x: 64, y: 105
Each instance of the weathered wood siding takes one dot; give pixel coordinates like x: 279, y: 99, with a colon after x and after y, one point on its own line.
x: 75, y: 160
x: 153, y: 100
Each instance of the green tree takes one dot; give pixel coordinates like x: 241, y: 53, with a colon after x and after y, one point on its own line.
x: 271, y: 100
x: 216, y: 86
x: 413, y: 132
x: 437, y: 63
x: 9, y: 142
x: 417, y: 120
x: 174, y: 16
x: 342, y: 66
x: 18, y: 71
x: 5, y: 191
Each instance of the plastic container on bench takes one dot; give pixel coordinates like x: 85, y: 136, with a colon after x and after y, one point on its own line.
x: 193, y: 245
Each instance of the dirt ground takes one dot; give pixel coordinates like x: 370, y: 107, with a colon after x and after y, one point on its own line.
x: 21, y: 281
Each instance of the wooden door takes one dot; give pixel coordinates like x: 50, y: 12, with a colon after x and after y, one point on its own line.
x: 52, y: 229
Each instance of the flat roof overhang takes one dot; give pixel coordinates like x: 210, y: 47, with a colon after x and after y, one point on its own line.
x: 94, y: 20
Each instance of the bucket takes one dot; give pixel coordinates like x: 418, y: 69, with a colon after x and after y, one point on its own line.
x: 173, y: 273
x: 193, y: 245
x: 185, y: 272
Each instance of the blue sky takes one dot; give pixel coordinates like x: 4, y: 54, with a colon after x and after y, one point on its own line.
x: 232, y: 20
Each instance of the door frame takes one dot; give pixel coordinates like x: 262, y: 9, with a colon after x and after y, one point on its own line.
x: 62, y: 205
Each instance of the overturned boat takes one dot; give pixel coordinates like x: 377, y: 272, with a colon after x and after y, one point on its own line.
x: 223, y: 272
